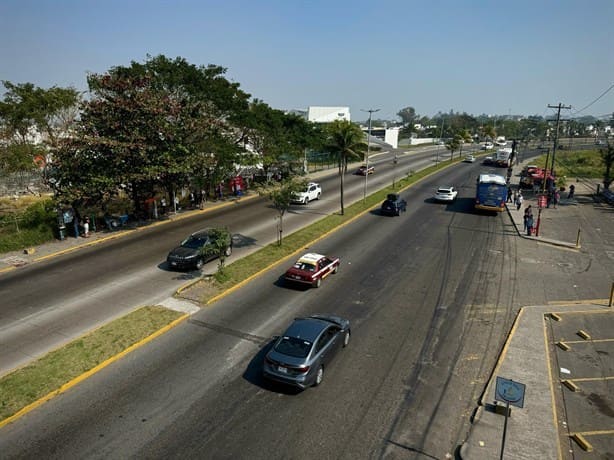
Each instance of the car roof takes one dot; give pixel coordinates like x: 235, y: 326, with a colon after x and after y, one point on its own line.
x: 312, y: 183
x: 306, y: 328
x: 310, y: 257
x: 201, y: 233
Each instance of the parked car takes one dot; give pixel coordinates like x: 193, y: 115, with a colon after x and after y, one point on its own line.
x: 488, y: 146
x: 313, y: 191
x: 393, y: 205
x: 311, y: 269
x: 469, y: 159
x: 446, y: 194
x: 488, y: 161
x: 196, y: 250
x: 300, y: 355
x: 364, y: 170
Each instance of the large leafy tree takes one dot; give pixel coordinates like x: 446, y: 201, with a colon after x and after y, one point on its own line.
x: 148, y: 126
x: 31, y: 120
x: 344, y: 141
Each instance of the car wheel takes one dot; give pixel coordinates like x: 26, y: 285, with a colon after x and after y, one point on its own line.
x: 199, y: 263
x: 306, y: 200
x: 346, y: 339
x: 318, y: 283
x: 228, y: 251
x: 336, y: 269
x: 319, y: 376
x: 318, y: 197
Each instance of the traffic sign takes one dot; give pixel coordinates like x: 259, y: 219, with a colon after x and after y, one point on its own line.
x: 510, y: 392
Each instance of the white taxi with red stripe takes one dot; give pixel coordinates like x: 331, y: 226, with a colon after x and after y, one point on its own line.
x: 311, y: 269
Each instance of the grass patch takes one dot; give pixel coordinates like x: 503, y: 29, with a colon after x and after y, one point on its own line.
x: 242, y: 269
x: 26, y: 222
x: 47, y: 374
x: 576, y: 163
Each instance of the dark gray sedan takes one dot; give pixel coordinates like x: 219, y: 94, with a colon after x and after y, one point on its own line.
x: 300, y: 355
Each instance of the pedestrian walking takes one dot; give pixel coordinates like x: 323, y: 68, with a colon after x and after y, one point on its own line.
x: 519, y: 200
x: 556, y: 198
x: 192, y: 200
x: 509, y: 195
x: 163, y: 205
x: 529, y: 225
x: 528, y: 212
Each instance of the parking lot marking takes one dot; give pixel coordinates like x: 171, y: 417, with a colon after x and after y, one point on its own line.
x: 550, y: 382
x: 582, y: 442
x: 585, y: 335
x: 592, y: 341
x: 591, y: 379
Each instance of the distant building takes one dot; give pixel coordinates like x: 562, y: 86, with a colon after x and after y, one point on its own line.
x: 328, y: 114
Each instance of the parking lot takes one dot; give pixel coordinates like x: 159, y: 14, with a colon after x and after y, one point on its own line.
x: 581, y: 354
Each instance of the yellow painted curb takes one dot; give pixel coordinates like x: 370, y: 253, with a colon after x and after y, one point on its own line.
x: 91, y: 372
x: 572, y: 386
x: 585, y: 335
x: 555, y: 317
x: 582, y: 442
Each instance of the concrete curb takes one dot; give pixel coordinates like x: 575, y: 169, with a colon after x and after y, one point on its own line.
x: 94, y: 370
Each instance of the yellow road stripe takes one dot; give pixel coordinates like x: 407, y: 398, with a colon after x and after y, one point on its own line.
x: 91, y: 372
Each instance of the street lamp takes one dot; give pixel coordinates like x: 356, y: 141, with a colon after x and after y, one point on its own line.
x: 371, y: 112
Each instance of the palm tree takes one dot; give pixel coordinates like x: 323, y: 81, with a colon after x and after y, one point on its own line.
x: 345, y: 140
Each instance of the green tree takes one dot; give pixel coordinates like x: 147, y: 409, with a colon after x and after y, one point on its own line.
x: 220, y: 245
x: 607, y: 157
x: 32, y: 119
x: 148, y: 126
x: 453, y: 145
x: 344, y: 141
x: 281, y: 196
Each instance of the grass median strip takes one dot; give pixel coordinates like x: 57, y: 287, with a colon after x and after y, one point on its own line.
x: 28, y: 384
x: 234, y: 273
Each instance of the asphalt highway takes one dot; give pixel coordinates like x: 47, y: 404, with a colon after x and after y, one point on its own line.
x: 52, y: 302
x: 429, y: 308
x: 431, y: 296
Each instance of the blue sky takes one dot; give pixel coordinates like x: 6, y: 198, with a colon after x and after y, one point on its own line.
x: 493, y: 57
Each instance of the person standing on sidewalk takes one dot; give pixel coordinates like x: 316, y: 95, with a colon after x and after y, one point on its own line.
x: 529, y: 221
x: 572, y: 189
x: 528, y: 212
x: 519, y: 200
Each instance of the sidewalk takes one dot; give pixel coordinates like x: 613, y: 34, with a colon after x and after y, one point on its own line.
x: 14, y: 259
x: 532, y: 431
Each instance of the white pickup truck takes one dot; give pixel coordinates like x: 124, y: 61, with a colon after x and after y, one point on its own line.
x: 312, y: 192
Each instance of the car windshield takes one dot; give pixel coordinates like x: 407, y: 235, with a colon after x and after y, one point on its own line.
x: 444, y: 190
x: 194, y: 243
x: 292, y: 346
x: 305, y: 266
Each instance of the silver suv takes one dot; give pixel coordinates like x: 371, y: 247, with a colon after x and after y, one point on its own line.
x: 312, y: 192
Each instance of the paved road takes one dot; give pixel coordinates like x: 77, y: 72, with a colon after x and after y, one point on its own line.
x: 429, y: 310
x: 51, y: 302
x: 431, y: 294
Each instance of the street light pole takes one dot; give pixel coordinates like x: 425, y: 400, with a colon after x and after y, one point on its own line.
x: 371, y: 112
x: 443, y: 121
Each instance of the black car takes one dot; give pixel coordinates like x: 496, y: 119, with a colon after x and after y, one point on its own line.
x: 198, y: 249
x: 394, y: 205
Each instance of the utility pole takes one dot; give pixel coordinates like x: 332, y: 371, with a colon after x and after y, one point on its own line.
x: 371, y: 112
x: 556, y: 134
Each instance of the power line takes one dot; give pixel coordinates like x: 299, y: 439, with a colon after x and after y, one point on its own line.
x: 600, y: 96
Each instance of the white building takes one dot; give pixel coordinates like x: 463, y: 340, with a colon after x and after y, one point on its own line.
x: 328, y: 114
